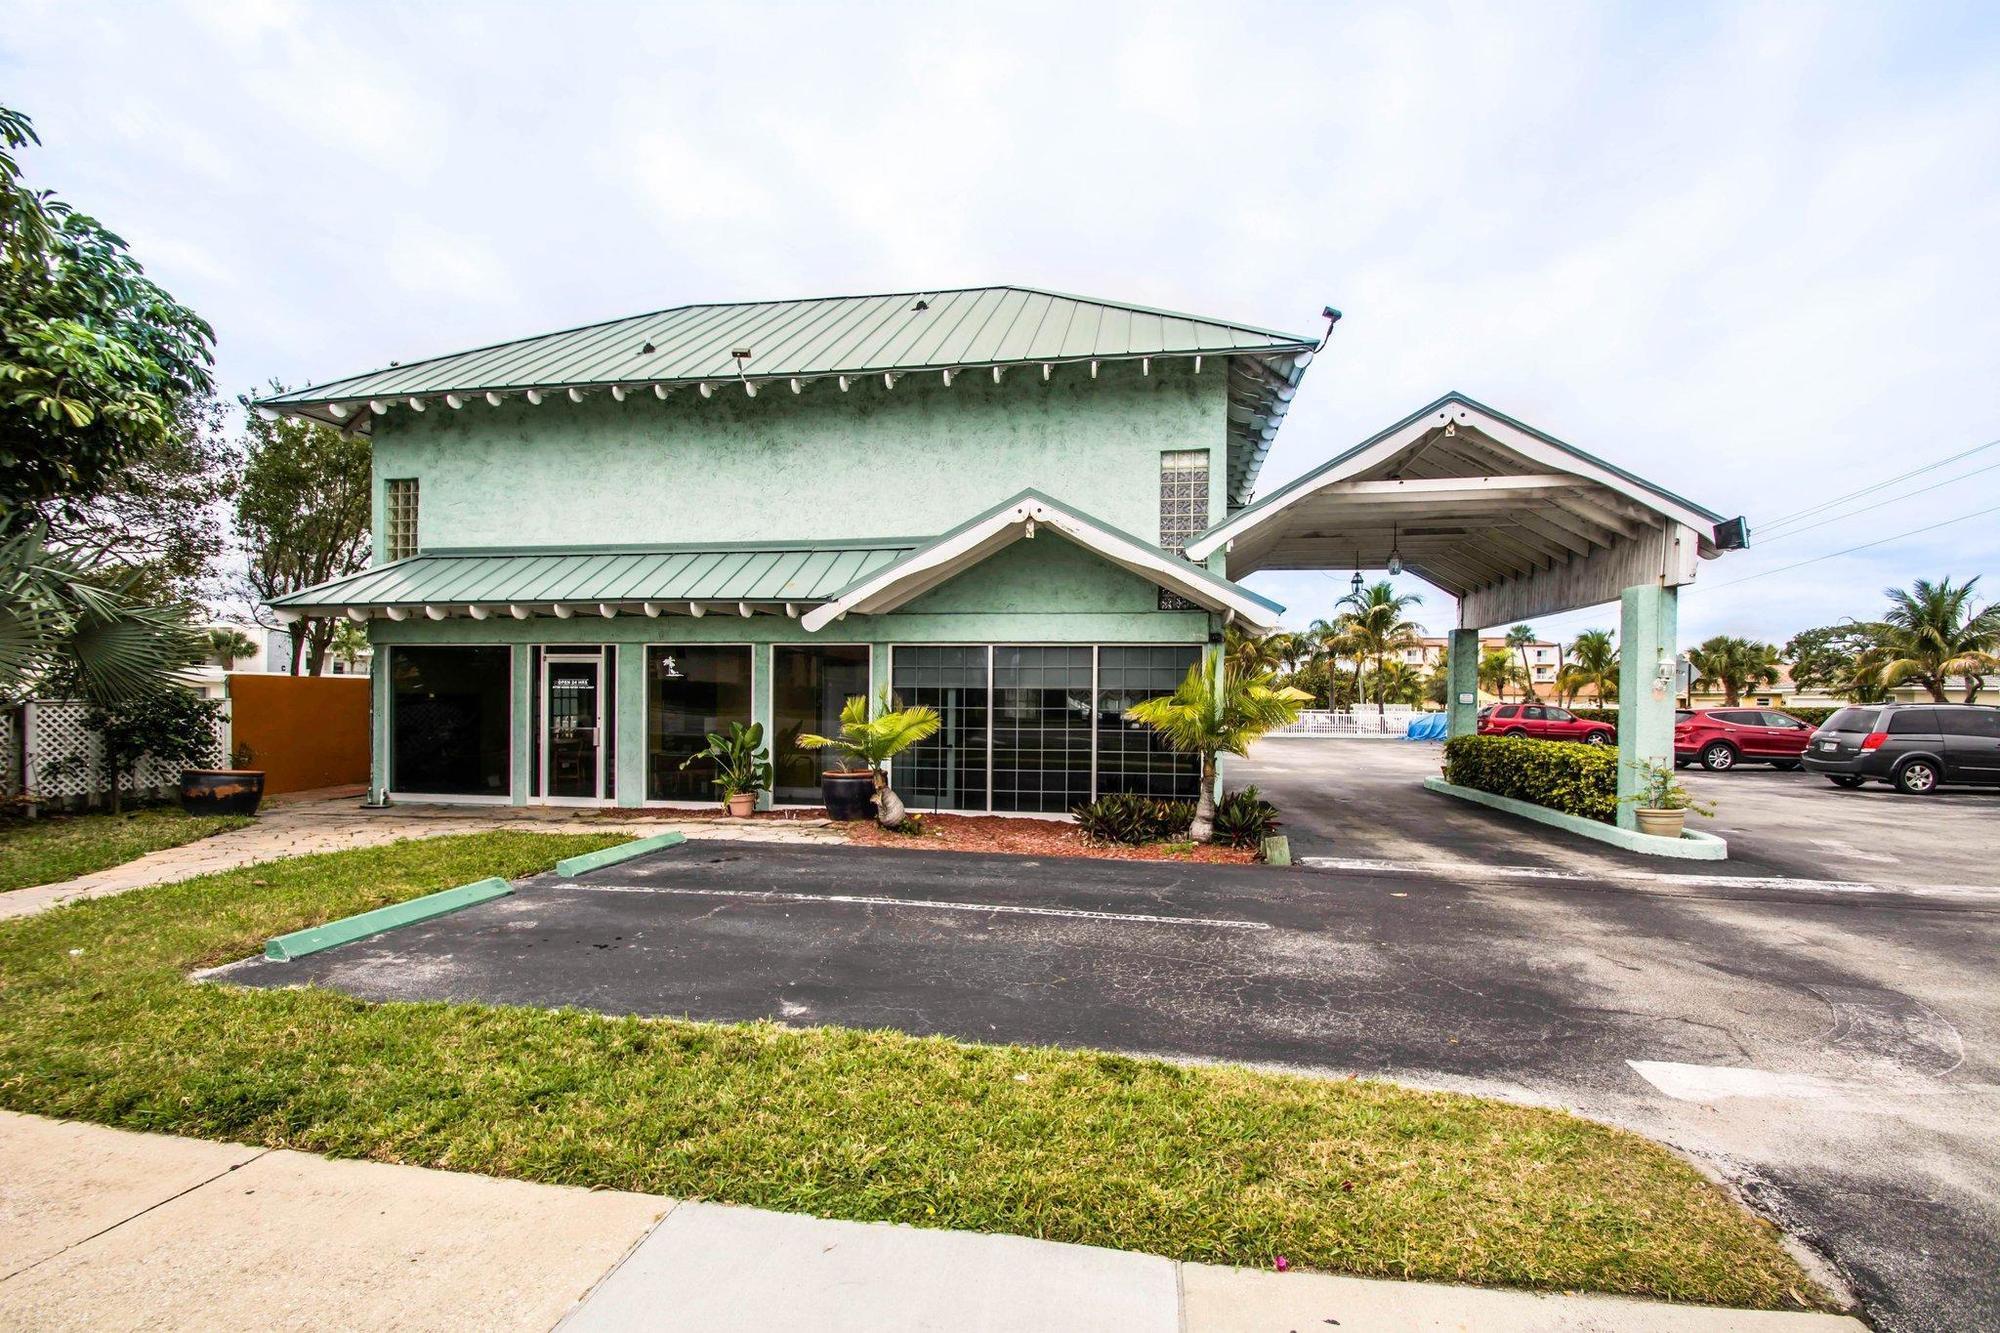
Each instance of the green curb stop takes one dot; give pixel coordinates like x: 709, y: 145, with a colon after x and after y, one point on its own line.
x: 348, y: 929
x: 611, y: 856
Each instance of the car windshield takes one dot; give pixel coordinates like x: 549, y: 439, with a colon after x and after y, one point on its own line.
x: 1853, y: 719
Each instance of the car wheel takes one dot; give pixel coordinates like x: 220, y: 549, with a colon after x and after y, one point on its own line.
x: 1847, y: 780
x: 1719, y: 758
x: 1517, y: 731
x: 1919, y: 777
x: 1785, y: 765
x: 1597, y: 738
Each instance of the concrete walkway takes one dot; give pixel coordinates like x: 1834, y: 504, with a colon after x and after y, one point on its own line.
x: 103, y: 1229
x: 331, y: 823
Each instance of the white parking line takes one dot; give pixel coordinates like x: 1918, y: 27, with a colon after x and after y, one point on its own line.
x: 1708, y: 1083
x: 1464, y: 870
x: 1012, y: 909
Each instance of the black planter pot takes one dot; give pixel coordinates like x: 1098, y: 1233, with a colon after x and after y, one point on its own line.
x: 848, y: 795
x: 221, y: 791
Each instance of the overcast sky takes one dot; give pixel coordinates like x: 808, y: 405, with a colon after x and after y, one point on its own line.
x: 1751, y: 252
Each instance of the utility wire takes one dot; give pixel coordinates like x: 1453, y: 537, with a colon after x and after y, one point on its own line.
x: 1881, y: 541
x: 1784, y: 519
x: 1835, y: 518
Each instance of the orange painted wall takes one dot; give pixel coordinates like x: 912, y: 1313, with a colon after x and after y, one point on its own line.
x: 303, y: 731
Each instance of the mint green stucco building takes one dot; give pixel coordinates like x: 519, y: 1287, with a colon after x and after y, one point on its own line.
x: 594, y: 546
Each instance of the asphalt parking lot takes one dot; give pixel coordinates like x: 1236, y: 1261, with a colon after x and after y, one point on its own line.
x: 1815, y: 1024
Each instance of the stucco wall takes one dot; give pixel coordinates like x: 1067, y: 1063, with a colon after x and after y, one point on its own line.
x: 872, y: 462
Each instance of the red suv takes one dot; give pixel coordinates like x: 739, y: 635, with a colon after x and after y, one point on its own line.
x: 1721, y: 738
x: 1544, y: 722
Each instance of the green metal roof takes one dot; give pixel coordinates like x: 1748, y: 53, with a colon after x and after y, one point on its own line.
x: 896, y: 333
x: 528, y: 576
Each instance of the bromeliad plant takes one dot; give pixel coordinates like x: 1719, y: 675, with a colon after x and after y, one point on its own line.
x: 1206, y: 719
x: 742, y: 764
x: 874, y: 741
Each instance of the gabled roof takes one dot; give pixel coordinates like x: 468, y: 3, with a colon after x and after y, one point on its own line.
x: 892, y: 585
x: 892, y: 334
x: 537, y: 579
x: 1465, y: 495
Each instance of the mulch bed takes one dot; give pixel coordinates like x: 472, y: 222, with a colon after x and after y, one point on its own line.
x: 1030, y: 837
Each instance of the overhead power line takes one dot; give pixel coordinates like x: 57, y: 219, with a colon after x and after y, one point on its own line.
x: 1785, y: 520
x: 1850, y: 513
x: 1880, y: 541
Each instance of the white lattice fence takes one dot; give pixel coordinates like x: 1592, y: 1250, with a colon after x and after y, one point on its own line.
x: 1393, y: 721
x: 10, y: 752
x: 62, y: 759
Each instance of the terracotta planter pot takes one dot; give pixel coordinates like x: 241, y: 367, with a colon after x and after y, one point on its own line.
x: 1662, y: 823
x: 221, y: 791
x: 848, y: 795
x: 741, y: 804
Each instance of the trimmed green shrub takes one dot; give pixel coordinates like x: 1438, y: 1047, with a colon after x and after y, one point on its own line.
x: 1134, y: 820
x: 1608, y: 716
x: 1812, y: 717
x: 1575, y: 779
x: 1244, y: 819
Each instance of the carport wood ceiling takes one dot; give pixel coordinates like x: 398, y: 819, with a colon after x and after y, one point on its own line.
x: 1460, y: 502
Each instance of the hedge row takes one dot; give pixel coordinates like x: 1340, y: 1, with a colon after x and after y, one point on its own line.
x: 1575, y: 779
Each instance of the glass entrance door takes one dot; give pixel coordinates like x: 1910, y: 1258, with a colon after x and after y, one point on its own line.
x: 572, y: 709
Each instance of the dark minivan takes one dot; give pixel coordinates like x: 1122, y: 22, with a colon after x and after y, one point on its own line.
x: 1916, y: 748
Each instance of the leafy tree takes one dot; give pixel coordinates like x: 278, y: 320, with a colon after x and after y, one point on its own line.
x: 1822, y: 658
x: 1932, y: 631
x: 1735, y: 664
x: 95, y: 358
x: 348, y: 643
x: 168, y: 723
x: 1204, y: 718
x: 876, y: 740
x: 1376, y: 627
x: 302, y: 510
x: 1592, y: 664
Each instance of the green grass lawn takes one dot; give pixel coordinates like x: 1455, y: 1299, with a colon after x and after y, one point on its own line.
x: 59, y: 847
x: 98, y: 1022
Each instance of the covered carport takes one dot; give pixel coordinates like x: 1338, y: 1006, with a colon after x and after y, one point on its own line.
x: 1512, y: 523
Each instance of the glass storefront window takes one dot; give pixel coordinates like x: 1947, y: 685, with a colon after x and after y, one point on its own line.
x: 1132, y: 758
x: 1041, y: 728
x: 809, y: 684
x: 948, y: 771
x: 450, y: 723
x: 691, y: 690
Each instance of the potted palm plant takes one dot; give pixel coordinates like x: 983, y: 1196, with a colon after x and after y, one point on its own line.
x: 1662, y: 803
x: 742, y: 765
x: 1200, y: 719
x: 873, y: 742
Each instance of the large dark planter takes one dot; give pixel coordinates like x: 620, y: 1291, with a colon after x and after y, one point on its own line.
x: 221, y: 791
x: 848, y: 795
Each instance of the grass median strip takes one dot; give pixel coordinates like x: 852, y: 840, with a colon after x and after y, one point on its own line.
x: 99, y: 1021
x: 59, y: 847
x: 611, y: 856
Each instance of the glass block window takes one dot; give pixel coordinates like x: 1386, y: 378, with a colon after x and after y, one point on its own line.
x: 1132, y: 758
x: 1183, y: 508
x: 948, y: 771
x: 1042, y: 711
x: 399, y: 518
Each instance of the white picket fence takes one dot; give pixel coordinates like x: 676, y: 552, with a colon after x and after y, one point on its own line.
x: 48, y: 756
x: 1393, y: 721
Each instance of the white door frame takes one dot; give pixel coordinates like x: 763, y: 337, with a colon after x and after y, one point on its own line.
x: 550, y: 659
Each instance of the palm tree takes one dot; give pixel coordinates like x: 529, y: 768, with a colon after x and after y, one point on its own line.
x: 1518, y: 639
x: 1735, y: 664
x: 1592, y: 664
x: 1255, y: 654
x: 1399, y: 682
x: 226, y: 643
x: 1332, y: 641
x: 876, y: 740
x: 1199, y: 718
x: 1376, y: 628
x: 1931, y: 632
x: 67, y: 618
x: 1498, y: 670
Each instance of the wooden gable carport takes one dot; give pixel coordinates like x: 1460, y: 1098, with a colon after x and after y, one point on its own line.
x: 1511, y: 522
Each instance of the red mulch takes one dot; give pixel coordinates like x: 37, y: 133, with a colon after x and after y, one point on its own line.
x: 1028, y: 837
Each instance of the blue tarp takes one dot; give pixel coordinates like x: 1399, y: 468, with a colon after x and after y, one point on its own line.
x: 1427, y: 727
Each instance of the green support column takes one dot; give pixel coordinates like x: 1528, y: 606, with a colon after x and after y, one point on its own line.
x: 1461, y: 701
x: 1649, y: 626
x: 763, y: 668
x: 631, y: 756
x: 524, y: 713
x: 378, y: 724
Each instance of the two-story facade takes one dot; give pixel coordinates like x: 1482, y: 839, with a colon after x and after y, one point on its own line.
x: 595, y: 546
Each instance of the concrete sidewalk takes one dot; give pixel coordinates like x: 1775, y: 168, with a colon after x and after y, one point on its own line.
x: 104, y: 1229
x: 331, y: 823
